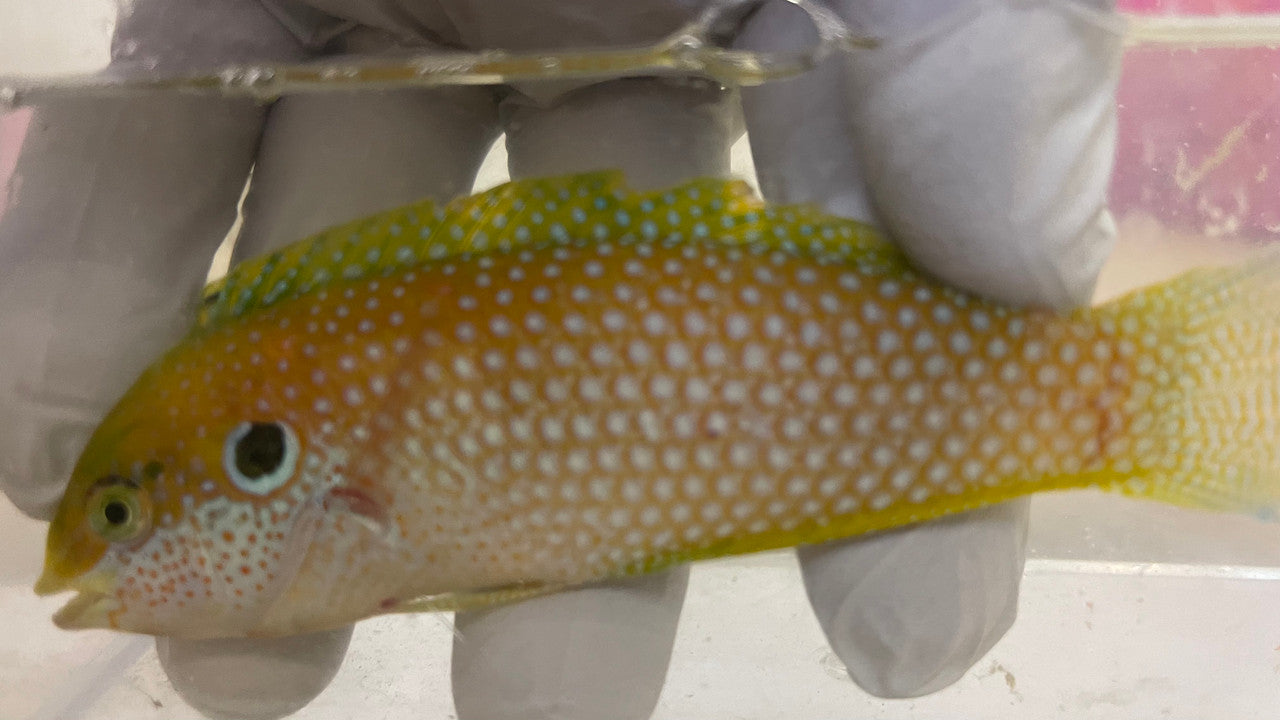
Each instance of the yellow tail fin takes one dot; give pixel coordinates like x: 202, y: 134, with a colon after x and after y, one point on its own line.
x: 1204, y: 412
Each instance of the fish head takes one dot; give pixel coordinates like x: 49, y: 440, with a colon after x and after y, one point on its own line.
x: 186, y: 514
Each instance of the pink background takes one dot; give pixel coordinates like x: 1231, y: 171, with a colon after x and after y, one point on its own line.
x: 1200, y: 7
x: 13, y: 127
x: 1199, y: 144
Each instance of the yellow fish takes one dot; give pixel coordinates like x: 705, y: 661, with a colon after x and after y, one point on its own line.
x: 561, y: 381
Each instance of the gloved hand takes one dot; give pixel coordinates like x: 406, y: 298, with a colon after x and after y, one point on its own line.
x: 979, y: 135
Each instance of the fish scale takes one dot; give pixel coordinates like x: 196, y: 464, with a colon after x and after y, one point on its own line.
x: 560, y: 381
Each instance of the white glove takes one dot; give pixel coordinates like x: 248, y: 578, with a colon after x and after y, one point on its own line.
x: 120, y: 203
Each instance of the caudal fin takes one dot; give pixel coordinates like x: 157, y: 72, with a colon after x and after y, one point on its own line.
x: 1204, y: 416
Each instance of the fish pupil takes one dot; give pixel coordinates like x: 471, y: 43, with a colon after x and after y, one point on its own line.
x: 260, y: 451
x: 116, y: 512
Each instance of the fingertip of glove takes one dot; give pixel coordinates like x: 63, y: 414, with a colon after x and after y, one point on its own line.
x: 600, y: 651
x: 36, y: 502
x: 42, y: 445
x: 921, y: 668
x: 909, y: 612
x: 1056, y: 268
x: 260, y: 679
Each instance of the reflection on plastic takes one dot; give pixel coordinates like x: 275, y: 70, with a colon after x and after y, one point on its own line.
x: 694, y: 50
x: 698, y: 50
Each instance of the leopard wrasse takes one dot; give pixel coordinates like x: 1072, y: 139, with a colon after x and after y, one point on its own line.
x: 561, y: 381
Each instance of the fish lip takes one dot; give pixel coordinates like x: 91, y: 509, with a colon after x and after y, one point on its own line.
x: 88, y: 609
x: 51, y: 584
x: 92, y: 606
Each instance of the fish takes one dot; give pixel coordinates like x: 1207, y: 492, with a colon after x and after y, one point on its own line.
x: 562, y: 380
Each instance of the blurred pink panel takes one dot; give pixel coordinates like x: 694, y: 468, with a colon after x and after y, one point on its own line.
x: 1200, y: 7
x: 13, y: 128
x: 1199, y: 140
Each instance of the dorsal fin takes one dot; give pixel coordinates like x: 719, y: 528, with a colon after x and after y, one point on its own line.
x: 576, y: 208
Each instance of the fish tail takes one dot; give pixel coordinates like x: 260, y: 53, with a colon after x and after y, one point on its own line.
x: 1201, y: 423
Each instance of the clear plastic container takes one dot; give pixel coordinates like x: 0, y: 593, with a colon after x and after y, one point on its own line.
x: 1128, y: 609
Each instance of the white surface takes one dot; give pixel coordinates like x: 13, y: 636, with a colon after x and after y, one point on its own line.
x: 54, y: 37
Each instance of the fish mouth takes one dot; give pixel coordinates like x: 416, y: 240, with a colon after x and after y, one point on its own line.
x: 87, y: 610
x: 93, y: 604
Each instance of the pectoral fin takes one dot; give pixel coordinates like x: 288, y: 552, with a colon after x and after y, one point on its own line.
x: 474, y: 599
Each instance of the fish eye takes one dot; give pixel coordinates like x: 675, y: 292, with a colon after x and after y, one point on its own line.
x: 119, y: 510
x: 260, y: 456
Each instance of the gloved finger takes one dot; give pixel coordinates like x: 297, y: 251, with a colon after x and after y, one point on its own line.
x: 117, y: 208
x: 326, y: 159
x: 258, y: 679
x: 334, y: 157
x: 658, y: 132
x: 516, y: 26
x: 799, y: 132
x: 594, y: 652
x: 103, y: 245
x: 600, y: 651
x: 114, y: 211
x: 159, y: 36
x: 909, y: 612
x: 986, y: 131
